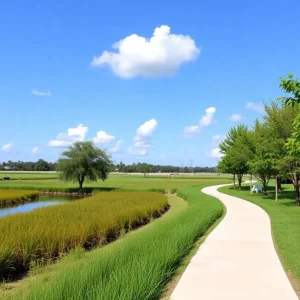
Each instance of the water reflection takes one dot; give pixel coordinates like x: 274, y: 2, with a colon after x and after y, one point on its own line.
x: 42, y: 201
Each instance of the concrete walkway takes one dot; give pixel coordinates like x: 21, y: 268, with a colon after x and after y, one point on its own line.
x: 238, y: 260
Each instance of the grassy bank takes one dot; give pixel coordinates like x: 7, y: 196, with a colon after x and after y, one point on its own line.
x: 285, y: 218
x: 10, y: 197
x: 47, y: 233
x: 136, y: 267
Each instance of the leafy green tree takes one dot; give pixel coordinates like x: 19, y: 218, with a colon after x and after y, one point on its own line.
x: 278, y: 129
x: 145, y: 168
x: 238, y: 149
x: 291, y: 86
x: 83, y: 161
x: 262, y: 163
x: 292, y: 162
x: 232, y: 136
x: 41, y: 165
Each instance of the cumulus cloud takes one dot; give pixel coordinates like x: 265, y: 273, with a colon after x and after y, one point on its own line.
x: 36, y: 150
x: 145, y: 130
x: 139, y: 148
x: 215, y: 153
x: 258, y: 107
x: 7, y: 147
x: 236, y: 118
x: 103, y: 138
x: 141, y: 139
x: 159, y: 56
x: 205, y: 121
x: 41, y: 93
x: 117, y: 147
x: 66, y: 139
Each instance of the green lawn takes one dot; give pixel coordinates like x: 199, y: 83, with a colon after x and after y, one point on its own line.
x: 135, y: 267
x: 27, y: 175
x: 130, y: 182
x: 285, y: 220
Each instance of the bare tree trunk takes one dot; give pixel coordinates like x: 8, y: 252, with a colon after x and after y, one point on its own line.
x: 264, y: 183
x: 279, y: 184
x: 276, y: 188
x: 297, y: 192
x: 295, y: 180
x: 80, y: 184
x: 240, y: 177
x: 234, y: 181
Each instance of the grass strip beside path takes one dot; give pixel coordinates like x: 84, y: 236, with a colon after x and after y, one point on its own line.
x: 136, y: 267
x: 285, y: 222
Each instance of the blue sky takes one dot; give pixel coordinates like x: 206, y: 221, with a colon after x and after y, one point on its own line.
x: 207, y: 63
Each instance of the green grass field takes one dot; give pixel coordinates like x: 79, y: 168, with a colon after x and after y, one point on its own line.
x: 285, y: 220
x: 28, y: 175
x: 47, y: 233
x: 129, y: 182
x: 135, y: 267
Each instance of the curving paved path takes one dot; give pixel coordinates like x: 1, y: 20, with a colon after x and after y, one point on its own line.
x: 238, y: 260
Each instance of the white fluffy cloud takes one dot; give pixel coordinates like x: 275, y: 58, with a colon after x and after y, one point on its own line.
x: 258, y: 107
x: 205, y: 121
x: 215, y: 153
x: 103, y: 138
x: 159, y: 56
x: 66, y: 139
x: 7, y: 147
x: 36, y: 150
x: 117, y: 147
x: 141, y: 139
x: 139, y: 148
x: 236, y: 118
x: 41, y: 93
x: 145, y: 130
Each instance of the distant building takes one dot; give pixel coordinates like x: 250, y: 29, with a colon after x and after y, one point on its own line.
x: 7, y: 168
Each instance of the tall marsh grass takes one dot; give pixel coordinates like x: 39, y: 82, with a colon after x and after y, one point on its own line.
x: 9, y: 197
x: 135, y: 268
x: 47, y: 233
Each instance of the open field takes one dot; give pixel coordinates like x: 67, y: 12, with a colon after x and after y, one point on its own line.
x: 285, y: 217
x: 123, y: 182
x: 13, y: 175
x: 47, y: 233
x: 135, y: 267
x: 9, y: 197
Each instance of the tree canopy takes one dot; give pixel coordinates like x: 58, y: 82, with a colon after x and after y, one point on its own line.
x: 271, y: 148
x: 83, y: 162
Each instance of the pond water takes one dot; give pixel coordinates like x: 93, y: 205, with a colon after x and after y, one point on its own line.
x: 42, y: 201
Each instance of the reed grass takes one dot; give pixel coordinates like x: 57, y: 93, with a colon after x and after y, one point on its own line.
x: 134, y: 268
x: 47, y: 233
x: 10, y: 197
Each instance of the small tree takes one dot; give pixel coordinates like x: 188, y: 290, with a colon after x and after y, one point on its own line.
x: 83, y: 161
x: 41, y: 165
x: 238, y: 149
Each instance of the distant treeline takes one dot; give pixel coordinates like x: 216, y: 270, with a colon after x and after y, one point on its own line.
x: 42, y: 165
x: 148, y: 168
